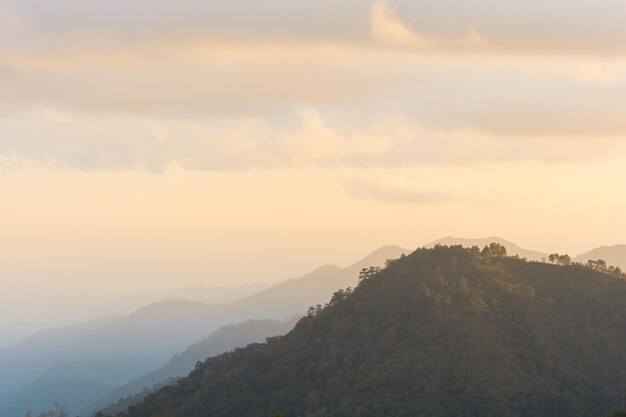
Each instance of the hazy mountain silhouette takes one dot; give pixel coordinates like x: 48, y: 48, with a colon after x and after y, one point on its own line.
x: 613, y: 255
x: 290, y: 297
x: 441, y: 332
x: 21, y: 364
x: 128, y: 347
x: 198, y: 293
x: 511, y: 247
x: 222, y: 340
x: 101, y: 358
x: 42, y: 395
x: 47, y: 308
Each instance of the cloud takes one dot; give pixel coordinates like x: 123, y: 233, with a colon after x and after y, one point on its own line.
x: 543, y: 27
x: 421, y: 93
x: 501, y: 96
x: 68, y: 140
x: 386, y: 26
x: 394, y: 192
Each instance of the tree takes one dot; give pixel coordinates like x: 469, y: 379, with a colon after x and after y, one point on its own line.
x: 497, y: 250
x: 340, y: 295
x: 564, y: 260
x: 494, y: 250
x: 598, y: 265
x: 367, y: 273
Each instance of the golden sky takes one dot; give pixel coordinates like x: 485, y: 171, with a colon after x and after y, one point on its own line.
x: 157, y: 143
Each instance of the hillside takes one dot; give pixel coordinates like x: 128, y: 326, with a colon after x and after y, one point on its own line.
x: 613, y: 255
x: 441, y: 332
x: 222, y: 340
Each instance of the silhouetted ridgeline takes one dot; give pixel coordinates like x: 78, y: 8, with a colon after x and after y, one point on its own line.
x: 447, y: 331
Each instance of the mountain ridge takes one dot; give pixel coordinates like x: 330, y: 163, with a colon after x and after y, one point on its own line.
x: 442, y: 331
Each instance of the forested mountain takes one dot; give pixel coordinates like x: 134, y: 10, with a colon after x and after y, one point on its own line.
x: 222, y: 340
x: 441, y: 332
x: 511, y: 247
x: 114, y: 351
x: 613, y: 255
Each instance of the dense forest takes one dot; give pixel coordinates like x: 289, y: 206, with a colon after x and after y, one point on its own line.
x: 448, y: 331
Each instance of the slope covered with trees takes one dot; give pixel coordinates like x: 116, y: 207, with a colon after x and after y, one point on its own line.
x: 222, y: 340
x: 441, y: 332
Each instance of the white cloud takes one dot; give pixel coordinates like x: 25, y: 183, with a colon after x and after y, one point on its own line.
x: 386, y: 26
x: 206, y: 104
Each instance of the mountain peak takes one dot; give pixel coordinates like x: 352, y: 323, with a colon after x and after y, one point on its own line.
x: 380, y: 255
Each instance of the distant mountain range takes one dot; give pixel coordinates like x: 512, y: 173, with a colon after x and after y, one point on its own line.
x: 42, y: 308
x: 112, y: 352
x: 613, y: 255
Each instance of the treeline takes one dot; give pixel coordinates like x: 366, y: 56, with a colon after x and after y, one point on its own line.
x: 597, y: 265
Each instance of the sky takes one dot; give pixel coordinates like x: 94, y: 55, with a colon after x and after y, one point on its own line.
x: 153, y: 144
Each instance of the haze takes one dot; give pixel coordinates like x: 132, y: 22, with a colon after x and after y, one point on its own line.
x: 149, y: 145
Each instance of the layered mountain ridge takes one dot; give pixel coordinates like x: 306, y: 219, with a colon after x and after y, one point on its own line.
x: 444, y: 331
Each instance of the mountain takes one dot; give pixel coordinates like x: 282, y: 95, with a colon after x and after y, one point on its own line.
x: 222, y: 340
x: 97, y: 359
x: 128, y: 347
x: 448, y: 331
x: 294, y: 296
x: 21, y: 364
x: 511, y: 247
x: 26, y: 309
x: 198, y: 293
x: 42, y: 395
x: 613, y: 255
